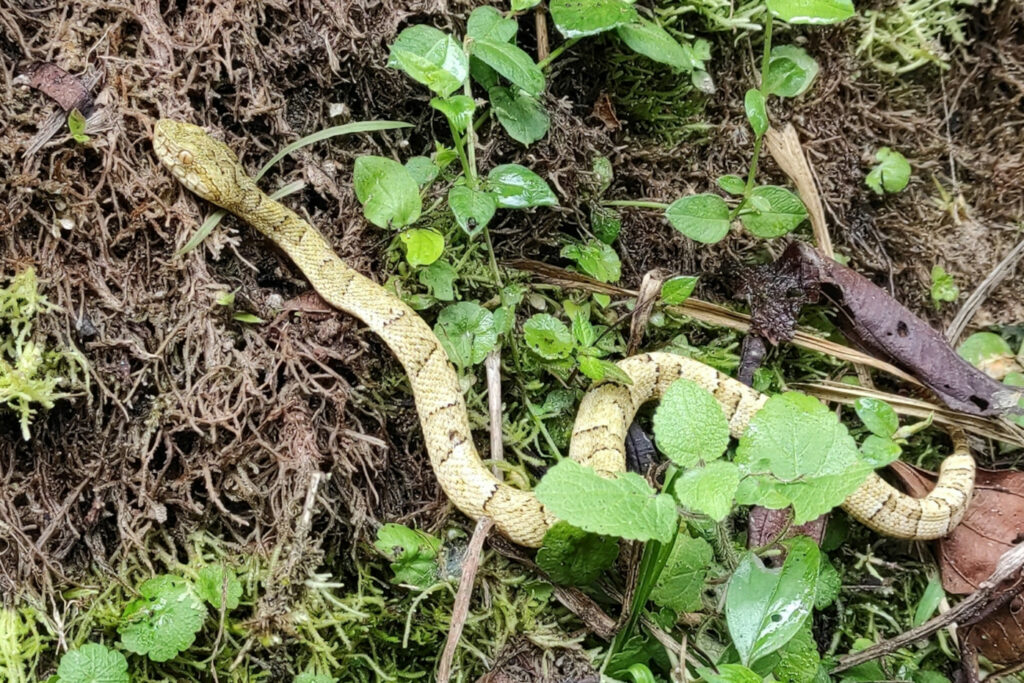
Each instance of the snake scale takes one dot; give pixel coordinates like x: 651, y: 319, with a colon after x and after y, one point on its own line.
x: 208, y: 168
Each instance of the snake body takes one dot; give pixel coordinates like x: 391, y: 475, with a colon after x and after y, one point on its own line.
x: 208, y: 168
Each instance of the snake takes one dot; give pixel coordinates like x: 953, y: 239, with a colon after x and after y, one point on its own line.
x: 208, y: 168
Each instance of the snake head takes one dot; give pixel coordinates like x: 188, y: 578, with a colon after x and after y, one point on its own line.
x: 204, y: 165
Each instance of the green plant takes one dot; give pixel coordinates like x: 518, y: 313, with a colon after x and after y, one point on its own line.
x: 890, y: 175
x: 943, y: 287
x: 905, y: 36
x: 93, y: 663
x: 76, y: 125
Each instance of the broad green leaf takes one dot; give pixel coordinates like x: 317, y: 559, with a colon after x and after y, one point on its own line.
x: 733, y: 184
x: 603, y: 173
x: 439, y: 278
x: 431, y: 57
x: 701, y: 217
x: 422, y: 170
x: 309, y: 677
x: 422, y: 246
x: 728, y: 673
x: 757, y: 115
x: 483, y: 74
x: 243, y: 317
x: 596, y: 259
x: 689, y: 424
x: 164, y: 621
x: 583, y: 331
x: 878, y: 451
x: 930, y: 599
x: 943, y: 286
x: 413, y: 554
x: 473, y: 209
x: 795, y: 450
x: 877, y: 415
x: 458, y: 109
x: 216, y: 581
x: 709, y: 489
x: 829, y: 585
x: 654, y: 42
x: 76, y: 124
x: 512, y: 63
x: 990, y: 353
x: 517, y: 187
x: 785, y: 212
x: 574, y: 557
x: 93, y: 663
x: 601, y: 370
x: 891, y: 174
x: 681, y: 582
x: 389, y: 195
x: 605, y: 222
x: 678, y: 289
x: 467, y: 333
x: 790, y: 71
x: 577, y: 18
x: 799, y: 660
x: 522, y: 5
x: 522, y: 116
x: 811, y: 11
x: 547, y: 336
x: 624, y: 506
x: 487, y: 23
x: 765, y: 608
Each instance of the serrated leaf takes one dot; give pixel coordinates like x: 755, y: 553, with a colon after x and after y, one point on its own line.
x: 796, y: 450
x: 891, y: 174
x: 944, y: 287
x: 596, y: 259
x: 728, y: 673
x: 798, y: 659
x: 93, y: 663
x: 624, y: 506
x: 709, y: 489
x: 439, y: 278
x: 517, y: 187
x: 765, y: 608
x: 757, y: 115
x: 422, y: 170
x: 790, y: 71
x: 164, y: 621
x: 547, y: 336
x: 701, y: 217
x: 574, y: 557
x: 473, y: 209
x: 458, y: 109
x: 512, y: 63
x: 652, y: 41
x: 487, y: 22
x: 811, y: 11
x: 522, y: 116
x: 430, y: 57
x: 577, y: 18
x: 216, y: 581
x: 877, y: 415
x: 681, y: 582
x: 422, y: 246
x: 389, y: 195
x: 466, y: 331
x: 785, y: 212
x: 413, y: 554
x: 676, y: 290
x: 690, y: 425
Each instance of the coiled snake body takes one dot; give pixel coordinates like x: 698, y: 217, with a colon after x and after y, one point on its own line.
x: 209, y: 169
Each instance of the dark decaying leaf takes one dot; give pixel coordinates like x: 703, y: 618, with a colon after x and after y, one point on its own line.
x: 67, y: 90
x: 776, y: 292
x: 770, y: 526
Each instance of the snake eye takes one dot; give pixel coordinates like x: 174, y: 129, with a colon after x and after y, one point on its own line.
x: 185, y: 156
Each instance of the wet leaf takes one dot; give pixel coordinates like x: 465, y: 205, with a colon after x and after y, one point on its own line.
x: 413, y: 554
x: 512, y: 63
x: 596, y: 259
x: 547, y: 336
x: 430, y: 57
x: 678, y: 289
x: 756, y: 113
x: 473, y: 209
x: 652, y: 41
x: 877, y: 415
x: 522, y: 116
x: 701, y: 217
x: 458, y: 109
x: 422, y: 247
x: 517, y: 187
x: 389, y: 195
x: 574, y: 557
x: 488, y: 23
x: 164, y: 621
x: 790, y: 71
x: 781, y: 211
x: 466, y: 331
x: 576, y: 18
x: 811, y: 11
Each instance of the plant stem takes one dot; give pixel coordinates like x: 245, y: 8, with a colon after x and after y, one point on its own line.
x: 765, y: 59
x: 544, y: 63
x: 636, y: 204
x: 467, y: 89
x: 490, y: 256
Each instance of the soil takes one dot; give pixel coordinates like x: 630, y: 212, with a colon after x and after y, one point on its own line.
x: 196, y: 421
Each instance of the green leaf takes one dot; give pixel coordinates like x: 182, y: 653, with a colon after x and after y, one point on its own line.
x: 389, y: 195
x: 879, y: 451
x: 473, y: 209
x: 522, y: 5
x: 811, y: 11
x: 943, y: 286
x: 467, y: 332
x: 216, y: 581
x: 678, y: 289
x: 422, y: 170
x: 654, y: 42
x: 930, y: 599
x: 547, y: 336
x: 596, y: 259
x: 422, y: 247
x: 891, y: 174
x: 512, y: 63
x: 605, y: 222
x: 487, y: 23
x: 522, y: 116
x: 681, y: 582
x: 709, y: 489
x: 576, y: 18
x: 243, y: 317
x: 603, y: 174
x: 309, y: 677
x: 458, y: 109
x: 795, y: 450
x: 765, y: 608
x: 601, y: 370
x: 517, y: 187
x: 757, y: 115
x: 624, y: 506
x: 877, y: 415
x: 728, y: 673
x: 790, y: 71
x: 798, y: 659
x: 985, y: 351
x: 733, y: 184
x: 76, y: 124
x: 785, y: 212
x: 413, y: 554
x: 829, y: 584
x: 439, y: 278
x: 690, y: 425
x: 574, y: 557
x: 701, y: 217
x: 93, y: 663
x: 430, y: 57
x: 164, y: 621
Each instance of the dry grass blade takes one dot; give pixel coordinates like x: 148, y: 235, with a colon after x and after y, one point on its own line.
x: 784, y: 146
